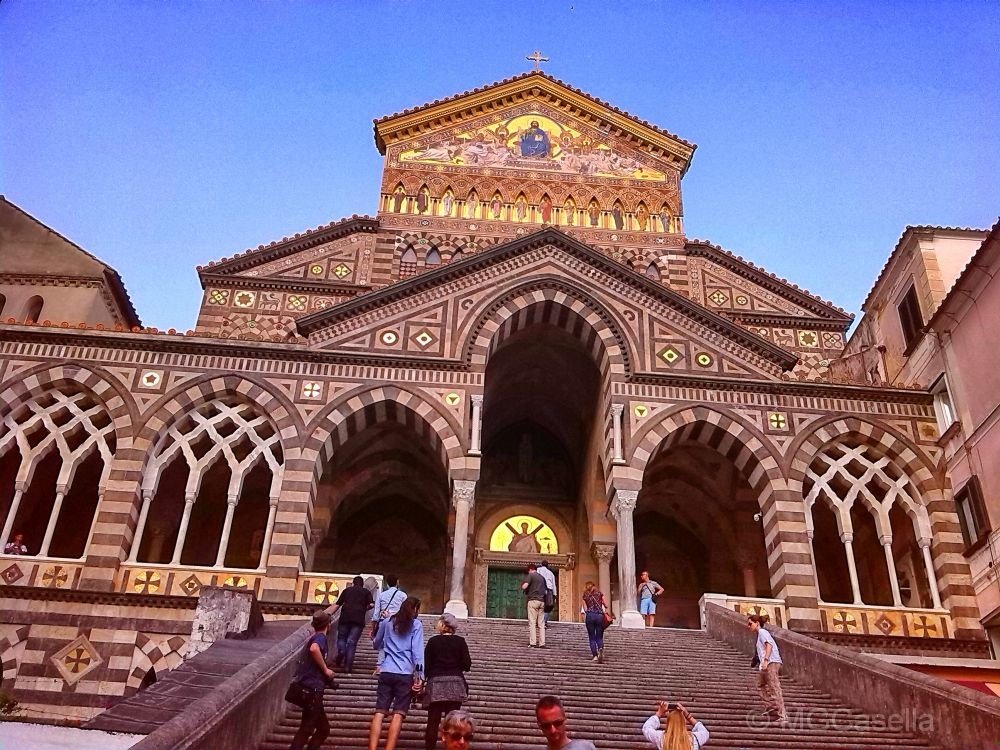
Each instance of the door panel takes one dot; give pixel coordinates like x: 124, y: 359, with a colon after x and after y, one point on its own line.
x: 504, y: 597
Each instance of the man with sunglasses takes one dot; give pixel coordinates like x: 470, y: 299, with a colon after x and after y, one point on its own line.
x: 456, y: 730
x: 551, y: 718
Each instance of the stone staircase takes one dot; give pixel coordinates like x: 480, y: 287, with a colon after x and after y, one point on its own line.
x: 608, y: 702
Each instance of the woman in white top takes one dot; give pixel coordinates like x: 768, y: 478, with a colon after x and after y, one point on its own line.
x: 683, y: 731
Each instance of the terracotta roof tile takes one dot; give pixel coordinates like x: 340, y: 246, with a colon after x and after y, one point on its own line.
x: 529, y: 74
x: 277, y: 244
x: 895, y: 250
x: 764, y: 272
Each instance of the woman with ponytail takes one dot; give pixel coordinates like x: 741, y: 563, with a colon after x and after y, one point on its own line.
x: 683, y: 731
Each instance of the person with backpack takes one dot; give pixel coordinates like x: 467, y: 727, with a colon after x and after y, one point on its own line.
x: 386, y: 605
x: 312, y: 676
x: 549, y: 603
x: 400, y: 639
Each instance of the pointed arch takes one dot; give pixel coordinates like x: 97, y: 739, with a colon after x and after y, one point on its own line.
x: 446, y: 206
x: 433, y: 257
x: 569, y: 212
x: 652, y: 271
x: 32, y: 311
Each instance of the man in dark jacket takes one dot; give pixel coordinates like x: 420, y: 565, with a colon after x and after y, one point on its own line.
x: 353, y: 603
x: 533, y: 587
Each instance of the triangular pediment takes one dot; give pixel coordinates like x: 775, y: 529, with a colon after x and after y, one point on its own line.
x: 326, y: 255
x: 434, y: 316
x: 533, y: 122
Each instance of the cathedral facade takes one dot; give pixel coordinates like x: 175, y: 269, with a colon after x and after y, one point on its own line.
x: 522, y: 356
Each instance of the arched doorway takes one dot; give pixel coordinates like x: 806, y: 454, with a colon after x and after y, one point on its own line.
x: 698, y: 527
x: 540, y: 438
x: 382, y: 506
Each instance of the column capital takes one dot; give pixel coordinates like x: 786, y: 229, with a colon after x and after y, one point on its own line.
x: 232, y: 500
x: 847, y: 536
x: 624, y: 502
x: 924, y: 542
x: 464, y: 491
x: 477, y: 399
x: 147, y: 496
x: 602, y: 551
x: 617, y: 409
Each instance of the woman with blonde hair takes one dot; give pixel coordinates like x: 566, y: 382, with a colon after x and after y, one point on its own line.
x: 683, y: 731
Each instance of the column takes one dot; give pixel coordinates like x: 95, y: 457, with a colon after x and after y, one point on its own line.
x: 622, y: 508
x: 852, y: 567
x: 265, y: 547
x: 890, y: 565
x: 8, y: 527
x: 477, y: 423
x: 616, y: 422
x: 812, y: 555
x: 43, y: 551
x: 227, y: 527
x: 182, y: 531
x: 925, y: 548
x: 463, y: 497
x: 140, y: 529
x: 602, y: 554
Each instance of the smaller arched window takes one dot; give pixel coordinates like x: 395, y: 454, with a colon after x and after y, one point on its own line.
x: 652, y: 271
x: 407, y: 263
x: 457, y: 255
x: 33, y: 309
x: 433, y: 257
x: 3, y: 303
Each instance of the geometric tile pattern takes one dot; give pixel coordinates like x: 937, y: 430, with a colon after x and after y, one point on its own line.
x: 76, y: 659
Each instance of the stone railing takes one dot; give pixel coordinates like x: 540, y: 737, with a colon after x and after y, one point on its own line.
x: 239, y: 713
x: 46, y: 572
x: 746, y: 605
x: 863, y: 619
x: 951, y: 715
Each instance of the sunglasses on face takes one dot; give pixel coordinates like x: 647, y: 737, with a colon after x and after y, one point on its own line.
x: 456, y: 736
x: 556, y: 723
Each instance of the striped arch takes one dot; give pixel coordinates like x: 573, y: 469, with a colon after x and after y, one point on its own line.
x: 28, y: 384
x: 364, y: 407
x: 788, y: 558
x: 947, y: 546
x: 194, y: 393
x: 726, y: 434
x: 551, y: 300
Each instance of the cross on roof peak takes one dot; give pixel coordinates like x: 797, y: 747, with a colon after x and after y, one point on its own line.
x: 536, y: 57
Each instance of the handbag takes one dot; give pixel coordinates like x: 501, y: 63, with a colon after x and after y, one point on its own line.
x: 299, y: 695
x: 609, y: 616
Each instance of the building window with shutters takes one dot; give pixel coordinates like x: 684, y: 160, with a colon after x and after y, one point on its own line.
x: 944, y: 408
x: 910, y: 319
x: 972, y: 514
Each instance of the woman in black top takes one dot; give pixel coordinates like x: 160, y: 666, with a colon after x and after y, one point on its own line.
x: 446, y: 658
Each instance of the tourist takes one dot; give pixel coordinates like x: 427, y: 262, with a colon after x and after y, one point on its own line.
x: 311, y: 677
x: 595, y: 608
x: 768, y: 682
x: 400, y: 640
x: 386, y: 605
x: 648, y: 591
x: 550, y: 588
x: 353, y: 604
x: 16, y: 546
x: 683, y: 731
x: 533, y: 587
x: 446, y: 659
x: 456, y: 730
x: 551, y: 718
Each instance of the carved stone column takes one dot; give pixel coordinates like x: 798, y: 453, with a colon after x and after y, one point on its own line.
x: 602, y: 553
x: 617, y: 410
x: 925, y: 549
x: 622, y: 508
x: 43, y: 551
x: 140, y: 529
x: 477, y: 424
x: 463, y: 497
x: 890, y: 565
x: 8, y: 526
x: 847, y: 538
x: 182, y: 531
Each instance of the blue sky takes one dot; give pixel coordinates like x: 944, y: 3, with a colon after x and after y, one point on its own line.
x: 160, y: 136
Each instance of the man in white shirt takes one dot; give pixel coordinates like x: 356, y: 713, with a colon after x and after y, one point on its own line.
x: 770, y: 669
x: 550, y: 583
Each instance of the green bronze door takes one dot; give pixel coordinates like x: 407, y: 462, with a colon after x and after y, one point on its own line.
x: 504, y: 597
